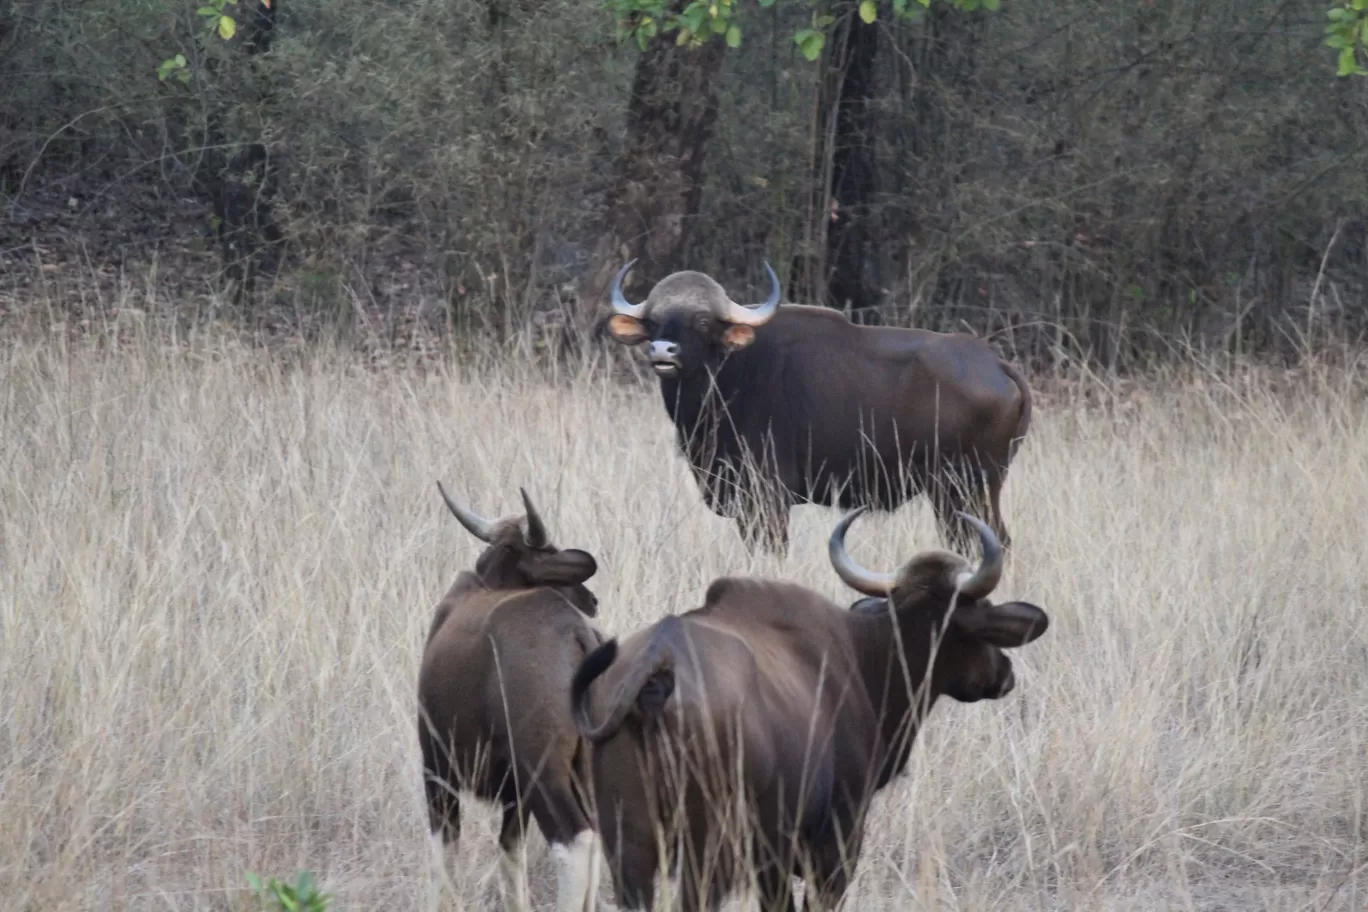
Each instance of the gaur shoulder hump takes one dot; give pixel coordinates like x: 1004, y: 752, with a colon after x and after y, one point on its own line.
x: 721, y: 588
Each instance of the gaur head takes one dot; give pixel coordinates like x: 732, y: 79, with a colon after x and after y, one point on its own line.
x: 520, y: 555
x: 943, y: 594
x: 689, y: 321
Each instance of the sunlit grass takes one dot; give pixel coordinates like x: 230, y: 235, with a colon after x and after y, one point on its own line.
x: 217, y: 567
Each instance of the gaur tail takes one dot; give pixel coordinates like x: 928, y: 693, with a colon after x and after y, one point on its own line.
x: 1024, y: 422
x: 645, y: 688
x: 589, y: 639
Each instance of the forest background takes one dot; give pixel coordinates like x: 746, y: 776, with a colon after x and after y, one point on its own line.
x: 1076, y: 179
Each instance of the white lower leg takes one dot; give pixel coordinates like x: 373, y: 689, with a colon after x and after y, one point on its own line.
x: 513, y: 869
x: 433, y: 893
x: 575, y: 873
x: 446, y: 868
x: 595, y: 869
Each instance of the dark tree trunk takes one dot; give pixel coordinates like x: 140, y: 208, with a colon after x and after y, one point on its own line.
x: 851, y: 267
x: 659, y: 179
x: 933, y: 60
x: 240, y: 187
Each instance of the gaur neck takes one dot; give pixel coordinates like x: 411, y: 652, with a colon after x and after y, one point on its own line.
x: 893, y: 676
x: 694, y: 403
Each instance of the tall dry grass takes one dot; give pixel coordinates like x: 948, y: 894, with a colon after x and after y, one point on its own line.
x: 217, y: 565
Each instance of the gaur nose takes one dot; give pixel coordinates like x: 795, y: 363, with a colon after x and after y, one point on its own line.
x: 664, y: 348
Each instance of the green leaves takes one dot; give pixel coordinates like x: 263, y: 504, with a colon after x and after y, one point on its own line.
x: 1348, y: 34
x: 700, y: 20
x: 301, y: 896
x: 810, y: 42
x: 173, y: 66
x: 217, y: 20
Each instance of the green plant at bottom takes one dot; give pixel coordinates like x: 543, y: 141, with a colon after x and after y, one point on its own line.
x: 301, y: 896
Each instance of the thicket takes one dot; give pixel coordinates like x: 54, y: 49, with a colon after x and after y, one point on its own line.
x: 1103, y: 178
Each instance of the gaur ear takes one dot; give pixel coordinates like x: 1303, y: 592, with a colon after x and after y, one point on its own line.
x: 627, y: 330
x: 1004, y: 626
x: 737, y: 337
x: 564, y: 568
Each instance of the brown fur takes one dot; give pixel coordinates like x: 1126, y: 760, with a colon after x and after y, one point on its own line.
x: 825, y: 708
x: 829, y: 411
x: 493, y: 717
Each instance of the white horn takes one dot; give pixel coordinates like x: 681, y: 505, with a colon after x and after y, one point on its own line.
x: 620, y: 303
x: 536, y: 529
x: 761, y: 313
x: 475, y: 524
x: 866, y: 582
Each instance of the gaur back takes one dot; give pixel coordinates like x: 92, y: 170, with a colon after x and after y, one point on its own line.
x: 493, y: 716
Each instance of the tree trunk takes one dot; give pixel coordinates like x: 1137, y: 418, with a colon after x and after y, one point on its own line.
x: 851, y: 267
x: 933, y: 60
x: 659, y: 181
x: 240, y: 188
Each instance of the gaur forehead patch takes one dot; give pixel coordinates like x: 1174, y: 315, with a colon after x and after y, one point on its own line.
x: 679, y: 305
x: 686, y: 293
x: 933, y: 565
x: 508, y: 524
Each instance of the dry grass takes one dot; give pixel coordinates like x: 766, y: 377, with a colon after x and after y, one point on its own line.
x: 217, y: 567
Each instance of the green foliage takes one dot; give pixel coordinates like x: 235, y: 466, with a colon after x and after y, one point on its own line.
x: 174, y: 66
x: 700, y: 20
x: 301, y: 896
x: 216, y: 21
x: 1348, y: 33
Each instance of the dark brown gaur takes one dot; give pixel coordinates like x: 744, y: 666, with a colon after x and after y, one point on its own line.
x: 492, y: 714
x: 775, y: 406
x: 816, y: 706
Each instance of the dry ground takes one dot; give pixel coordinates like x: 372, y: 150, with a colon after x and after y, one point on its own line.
x: 217, y: 567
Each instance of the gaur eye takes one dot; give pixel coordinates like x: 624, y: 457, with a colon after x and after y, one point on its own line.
x: 705, y: 323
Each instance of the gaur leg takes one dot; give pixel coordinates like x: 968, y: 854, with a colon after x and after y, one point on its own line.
x: 764, y: 527
x: 573, y: 843
x: 833, y: 866
x: 775, y: 883
x: 439, y: 785
x: 706, y: 870
x: 759, y: 499
x: 948, y: 494
x: 634, y: 863
x: 512, y: 868
x: 982, y: 499
x: 627, y: 828
x: 577, y: 872
x: 995, y: 480
x: 763, y: 516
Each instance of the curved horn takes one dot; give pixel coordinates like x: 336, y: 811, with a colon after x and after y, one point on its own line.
x: 620, y: 303
x: 536, y: 529
x: 761, y: 313
x: 475, y: 524
x: 852, y: 574
x: 977, y: 584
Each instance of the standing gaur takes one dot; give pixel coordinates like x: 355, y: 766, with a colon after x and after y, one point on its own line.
x: 493, y: 717
x: 775, y: 695
x: 775, y: 406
